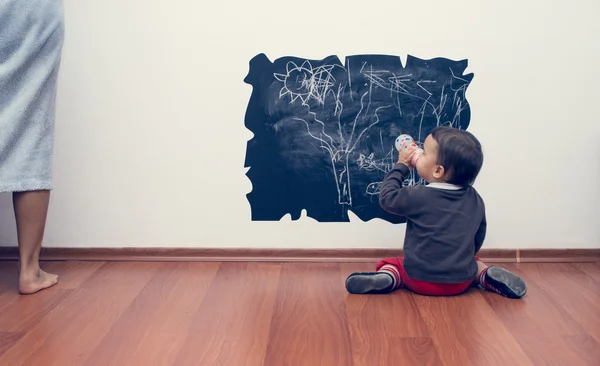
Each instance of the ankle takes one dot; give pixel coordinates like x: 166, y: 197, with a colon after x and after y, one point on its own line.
x: 29, y: 270
x: 393, y: 272
x: 481, y: 277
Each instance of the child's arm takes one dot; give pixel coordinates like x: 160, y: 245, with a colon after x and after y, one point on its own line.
x: 480, y: 235
x: 393, y: 197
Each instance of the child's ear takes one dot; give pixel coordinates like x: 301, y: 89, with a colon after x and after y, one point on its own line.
x: 439, y: 172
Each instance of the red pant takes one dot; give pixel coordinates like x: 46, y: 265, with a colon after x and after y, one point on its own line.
x: 426, y: 288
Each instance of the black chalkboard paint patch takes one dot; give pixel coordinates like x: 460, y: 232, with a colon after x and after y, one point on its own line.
x: 324, y: 131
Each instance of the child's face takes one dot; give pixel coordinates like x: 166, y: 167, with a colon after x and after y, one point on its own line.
x: 427, y: 165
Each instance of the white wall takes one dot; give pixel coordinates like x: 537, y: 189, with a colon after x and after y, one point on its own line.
x: 151, y: 109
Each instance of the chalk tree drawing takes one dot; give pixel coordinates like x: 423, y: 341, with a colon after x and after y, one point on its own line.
x: 309, y: 114
x: 305, y: 83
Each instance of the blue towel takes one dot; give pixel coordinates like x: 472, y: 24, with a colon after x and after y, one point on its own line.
x: 31, y: 40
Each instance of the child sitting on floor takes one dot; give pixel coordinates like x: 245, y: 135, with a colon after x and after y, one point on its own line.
x: 446, y: 224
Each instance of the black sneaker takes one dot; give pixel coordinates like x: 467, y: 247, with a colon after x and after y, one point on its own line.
x: 370, y: 283
x: 505, y: 283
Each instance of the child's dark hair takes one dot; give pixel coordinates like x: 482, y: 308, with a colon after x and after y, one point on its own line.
x: 459, y: 152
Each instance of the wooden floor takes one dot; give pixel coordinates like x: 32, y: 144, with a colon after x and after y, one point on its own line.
x: 291, y: 314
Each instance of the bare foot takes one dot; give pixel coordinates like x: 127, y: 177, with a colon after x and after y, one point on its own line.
x: 43, y: 280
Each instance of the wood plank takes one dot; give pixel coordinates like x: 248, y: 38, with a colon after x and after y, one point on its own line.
x: 386, y: 327
x: 554, y: 349
x: 168, y: 330
x: 591, y: 269
x: 410, y: 351
x: 575, y: 291
x: 232, y: 325
x: 9, y: 284
x: 72, y: 274
x: 26, y: 311
x: 125, y: 335
x: 69, y: 333
x: 530, y: 315
x: 466, y: 331
x: 7, y: 340
x: 309, y: 325
x: 582, y: 348
x: 539, y: 314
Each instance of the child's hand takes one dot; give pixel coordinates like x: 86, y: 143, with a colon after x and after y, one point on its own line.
x: 405, y: 157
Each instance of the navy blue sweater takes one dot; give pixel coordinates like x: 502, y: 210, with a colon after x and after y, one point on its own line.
x: 445, y: 227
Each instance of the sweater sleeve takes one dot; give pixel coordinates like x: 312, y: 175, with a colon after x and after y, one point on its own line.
x: 396, y: 199
x: 480, y: 235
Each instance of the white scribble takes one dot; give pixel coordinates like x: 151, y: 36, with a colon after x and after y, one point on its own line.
x: 306, y: 82
x: 315, y: 88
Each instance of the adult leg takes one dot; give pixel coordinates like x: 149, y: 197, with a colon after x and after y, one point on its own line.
x: 31, y: 51
x: 31, y: 210
x: 500, y: 280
